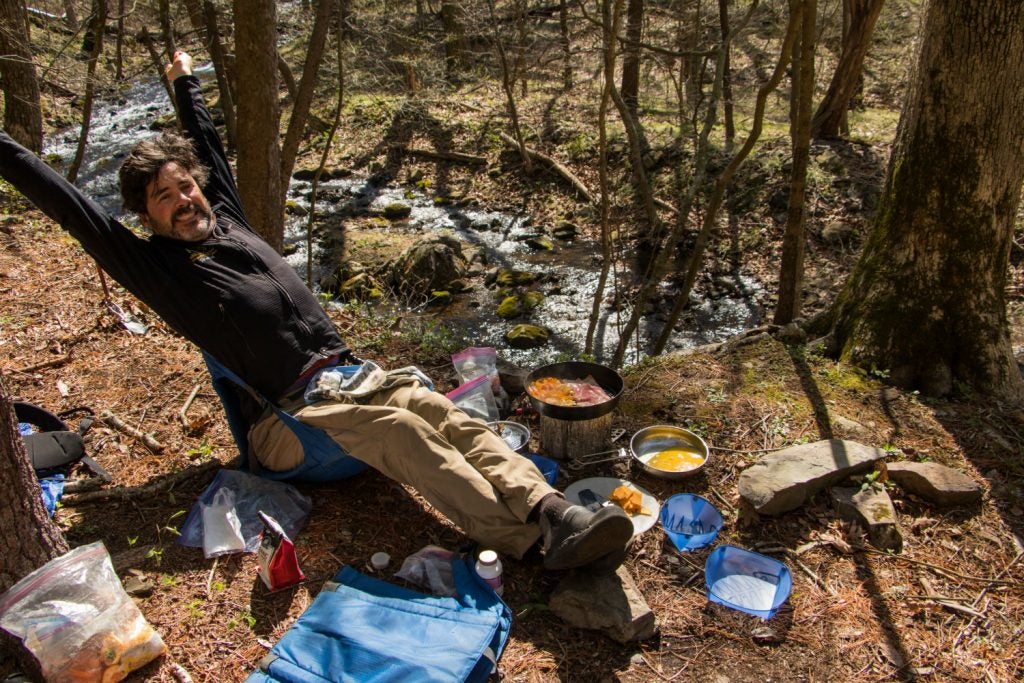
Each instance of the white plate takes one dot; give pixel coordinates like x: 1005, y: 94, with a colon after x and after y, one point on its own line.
x: 603, y: 487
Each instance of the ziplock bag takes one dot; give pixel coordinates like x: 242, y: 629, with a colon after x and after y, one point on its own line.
x: 475, y: 399
x: 222, y: 532
x: 281, y: 501
x: 482, y: 360
x: 75, y: 618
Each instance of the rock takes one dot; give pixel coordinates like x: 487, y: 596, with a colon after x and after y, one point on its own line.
x: 511, y: 278
x: 606, y: 602
x: 295, y: 209
x: 851, y: 427
x: 565, y: 231
x: 837, y: 233
x: 792, y: 334
x: 396, y: 211
x: 527, y: 336
x: 427, y: 265
x: 138, y: 584
x: 873, y: 509
x: 935, y: 483
x: 509, y: 308
x: 782, y: 481
x: 540, y: 243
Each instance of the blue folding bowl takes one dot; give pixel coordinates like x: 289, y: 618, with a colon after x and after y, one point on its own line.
x: 689, y: 521
x: 747, y: 581
x: 547, y: 467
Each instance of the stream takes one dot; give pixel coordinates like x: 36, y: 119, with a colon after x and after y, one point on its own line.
x: 571, y: 269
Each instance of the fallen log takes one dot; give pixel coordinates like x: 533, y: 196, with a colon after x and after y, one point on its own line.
x: 456, y: 157
x: 553, y: 165
x: 124, y: 493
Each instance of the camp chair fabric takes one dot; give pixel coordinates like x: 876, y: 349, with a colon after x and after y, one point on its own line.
x: 324, y: 459
x: 364, y: 630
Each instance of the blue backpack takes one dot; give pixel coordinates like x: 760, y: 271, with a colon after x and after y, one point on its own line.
x: 360, y: 629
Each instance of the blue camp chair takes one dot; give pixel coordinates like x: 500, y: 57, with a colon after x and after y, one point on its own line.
x: 324, y: 460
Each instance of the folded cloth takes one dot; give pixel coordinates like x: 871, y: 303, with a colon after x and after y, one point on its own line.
x: 358, y: 382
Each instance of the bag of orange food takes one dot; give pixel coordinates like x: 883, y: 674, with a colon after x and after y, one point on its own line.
x: 76, y: 619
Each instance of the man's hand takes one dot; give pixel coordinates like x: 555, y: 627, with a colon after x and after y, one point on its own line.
x: 181, y: 66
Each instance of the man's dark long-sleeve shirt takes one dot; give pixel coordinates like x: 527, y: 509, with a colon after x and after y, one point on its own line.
x: 231, y: 294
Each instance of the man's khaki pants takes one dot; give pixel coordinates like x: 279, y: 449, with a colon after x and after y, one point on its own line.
x: 418, y: 437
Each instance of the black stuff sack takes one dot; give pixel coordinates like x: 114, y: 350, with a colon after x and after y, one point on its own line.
x: 52, y: 446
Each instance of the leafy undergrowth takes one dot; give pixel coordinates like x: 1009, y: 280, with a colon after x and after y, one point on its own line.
x: 855, y: 614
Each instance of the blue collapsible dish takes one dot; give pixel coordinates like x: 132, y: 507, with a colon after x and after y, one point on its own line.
x: 690, y: 522
x: 747, y: 581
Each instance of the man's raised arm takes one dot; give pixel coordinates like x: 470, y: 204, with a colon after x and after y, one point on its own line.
x: 195, y: 117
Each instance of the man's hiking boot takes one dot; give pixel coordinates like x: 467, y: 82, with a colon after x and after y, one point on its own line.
x: 581, y: 538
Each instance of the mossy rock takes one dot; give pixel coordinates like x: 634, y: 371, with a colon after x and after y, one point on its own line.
x: 295, y: 209
x: 396, y: 211
x: 511, y: 278
x: 565, y: 231
x: 531, y: 300
x: 510, y: 308
x: 441, y: 297
x: 525, y: 336
x: 540, y: 243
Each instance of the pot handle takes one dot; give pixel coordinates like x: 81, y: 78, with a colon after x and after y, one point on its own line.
x: 594, y: 458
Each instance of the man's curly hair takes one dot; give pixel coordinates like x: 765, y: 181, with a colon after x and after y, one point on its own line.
x: 145, y: 161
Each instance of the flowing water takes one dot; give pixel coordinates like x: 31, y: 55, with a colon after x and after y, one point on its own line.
x: 571, y: 270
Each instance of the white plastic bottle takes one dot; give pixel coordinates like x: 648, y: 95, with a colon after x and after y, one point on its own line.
x: 488, y: 568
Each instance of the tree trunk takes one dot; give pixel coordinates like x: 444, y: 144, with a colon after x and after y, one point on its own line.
x: 203, y: 16
x: 99, y: 21
x: 259, y: 116
x: 791, y: 273
x: 119, y: 43
x: 926, y: 301
x: 28, y: 537
x: 727, y: 115
x: 630, y: 84
x: 23, y: 118
x: 167, y: 30
x: 453, y: 24
x: 307, y: 88
x: 831, y: 112
x: 563, y: 37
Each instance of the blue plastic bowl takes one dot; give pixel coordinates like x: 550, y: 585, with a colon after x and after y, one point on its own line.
x: 547, y: 467
x: 747, y: 581
x: 690, y: 522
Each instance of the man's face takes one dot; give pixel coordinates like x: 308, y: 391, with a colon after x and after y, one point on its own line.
x: 176, y: 207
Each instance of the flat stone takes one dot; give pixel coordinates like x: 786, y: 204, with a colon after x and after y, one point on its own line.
x: 784, y: 480
x: 606, y: 602
x: 935, y: 483
x: 851, y: 427
x: 872, y: 509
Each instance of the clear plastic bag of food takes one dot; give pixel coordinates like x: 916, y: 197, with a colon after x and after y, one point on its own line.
x: 222, y: 532
x: 482, y: 360
x: 73, y: 615
x: 476, y: 399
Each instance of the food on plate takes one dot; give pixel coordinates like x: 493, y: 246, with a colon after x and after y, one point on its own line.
x: 568, y: 392
x: 676, y: 460
x: 629, y: 499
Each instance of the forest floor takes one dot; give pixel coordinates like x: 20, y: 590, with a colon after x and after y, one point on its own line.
x: 949, y: 607
x: 855, y: 614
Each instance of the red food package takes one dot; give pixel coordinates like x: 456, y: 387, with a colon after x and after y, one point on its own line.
x: 279, y: 566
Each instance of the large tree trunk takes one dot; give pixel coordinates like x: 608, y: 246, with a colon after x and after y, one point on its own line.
x: 630, y: 87
x: 306, y: 89
x: 259, y: 115
x: 791, y: 274
x: 23, y: 118
x: 926, y: 302
x: 453, y: 19
x: 28, y: 537
x: 829, y: 117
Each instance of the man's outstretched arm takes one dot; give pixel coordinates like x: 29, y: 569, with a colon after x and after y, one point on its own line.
x: 116, y: 248
x: 195, y: 117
